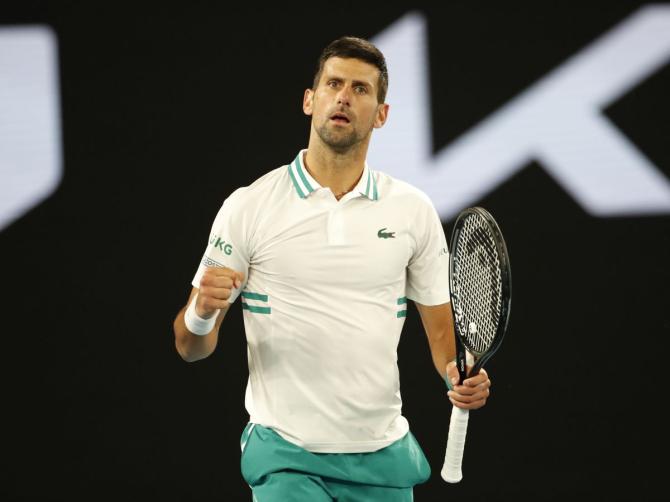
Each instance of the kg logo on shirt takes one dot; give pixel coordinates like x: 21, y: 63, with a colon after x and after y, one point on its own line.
x: 218, y: 242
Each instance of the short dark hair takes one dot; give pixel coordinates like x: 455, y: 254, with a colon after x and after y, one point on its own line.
x: 356, y: 48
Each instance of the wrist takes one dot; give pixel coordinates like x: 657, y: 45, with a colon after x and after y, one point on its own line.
x: 196, y: 324
x: 205, y: 315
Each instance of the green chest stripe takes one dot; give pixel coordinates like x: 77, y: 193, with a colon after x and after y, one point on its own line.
x: 248, y: 295
x: 256, y: 310
x: 254, y: 296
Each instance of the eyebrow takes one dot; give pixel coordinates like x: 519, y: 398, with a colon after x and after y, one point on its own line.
x: 354, y: 83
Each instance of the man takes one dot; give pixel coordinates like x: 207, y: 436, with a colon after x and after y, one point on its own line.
x: 324, y: 253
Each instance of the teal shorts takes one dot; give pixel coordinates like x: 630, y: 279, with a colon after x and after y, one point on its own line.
x: 280, y: 471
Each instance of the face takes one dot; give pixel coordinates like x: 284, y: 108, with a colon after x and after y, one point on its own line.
x: 344, y: 105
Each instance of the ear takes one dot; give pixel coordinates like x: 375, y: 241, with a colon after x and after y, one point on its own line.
x: 382, y: 115
x: 308, y: 101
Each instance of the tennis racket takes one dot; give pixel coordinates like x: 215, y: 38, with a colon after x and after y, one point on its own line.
x: 480, y: 284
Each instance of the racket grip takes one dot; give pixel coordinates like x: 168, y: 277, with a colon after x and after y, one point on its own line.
x: 453, y: 458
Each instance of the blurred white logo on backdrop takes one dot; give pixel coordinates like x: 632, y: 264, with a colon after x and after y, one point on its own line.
x: 30, y: 138
x: 558, y: 121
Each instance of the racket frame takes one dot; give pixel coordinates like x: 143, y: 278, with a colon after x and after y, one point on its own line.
x: 506, y: 294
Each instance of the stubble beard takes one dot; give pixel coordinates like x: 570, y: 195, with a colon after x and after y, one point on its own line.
x: 338, y: 141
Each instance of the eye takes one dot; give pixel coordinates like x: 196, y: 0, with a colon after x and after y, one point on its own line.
x: 332, y: 84
x: 361, y: 89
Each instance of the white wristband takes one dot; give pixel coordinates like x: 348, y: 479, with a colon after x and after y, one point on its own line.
x: 196, y: 324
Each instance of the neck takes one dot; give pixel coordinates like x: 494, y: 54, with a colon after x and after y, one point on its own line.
x: 339, y: 171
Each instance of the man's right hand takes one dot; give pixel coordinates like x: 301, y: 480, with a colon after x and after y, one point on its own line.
x: 215, y: 289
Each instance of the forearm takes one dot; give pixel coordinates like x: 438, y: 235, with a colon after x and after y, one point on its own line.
x: 438, y: 322
x: 194, y: 347
x: 442, y: 350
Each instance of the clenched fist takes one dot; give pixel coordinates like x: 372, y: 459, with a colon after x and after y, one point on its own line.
x: 215, y: 288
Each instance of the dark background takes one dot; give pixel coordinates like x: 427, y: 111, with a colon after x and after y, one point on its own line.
x: 166, y: 110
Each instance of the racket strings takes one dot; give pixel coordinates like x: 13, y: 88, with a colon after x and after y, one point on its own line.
x: 477, y: 284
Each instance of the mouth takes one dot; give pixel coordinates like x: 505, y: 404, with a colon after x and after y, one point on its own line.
x: 340, y: 118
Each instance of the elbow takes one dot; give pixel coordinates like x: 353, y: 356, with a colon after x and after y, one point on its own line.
x: 183, y: 353
x: 190, y: 352
x: 188, y: 355
x: 190, y: 359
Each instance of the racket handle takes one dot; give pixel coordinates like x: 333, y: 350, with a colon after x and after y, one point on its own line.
x: 458, y: 427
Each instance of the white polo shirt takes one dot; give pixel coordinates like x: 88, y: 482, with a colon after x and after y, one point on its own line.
x: 325, y: 300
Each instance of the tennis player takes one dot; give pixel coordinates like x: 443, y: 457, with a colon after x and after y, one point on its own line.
x: 324, y: 254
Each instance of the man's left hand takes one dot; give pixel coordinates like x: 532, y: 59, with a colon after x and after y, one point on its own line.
x: 471, y: 393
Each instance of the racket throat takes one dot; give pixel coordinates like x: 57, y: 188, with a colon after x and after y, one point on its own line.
x: 463, y: 360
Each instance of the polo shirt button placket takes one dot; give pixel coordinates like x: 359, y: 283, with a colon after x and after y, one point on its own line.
x: 335, y: 226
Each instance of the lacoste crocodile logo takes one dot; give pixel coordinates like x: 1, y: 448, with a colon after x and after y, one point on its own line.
x: 385, y: 235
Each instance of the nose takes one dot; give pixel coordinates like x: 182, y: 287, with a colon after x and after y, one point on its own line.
x: 344, y: 96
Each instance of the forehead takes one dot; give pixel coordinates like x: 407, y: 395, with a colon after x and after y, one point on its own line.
x: 350, y: 69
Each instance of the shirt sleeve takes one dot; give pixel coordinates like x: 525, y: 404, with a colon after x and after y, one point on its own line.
x: 428, y: 268
x: 227, y: 246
